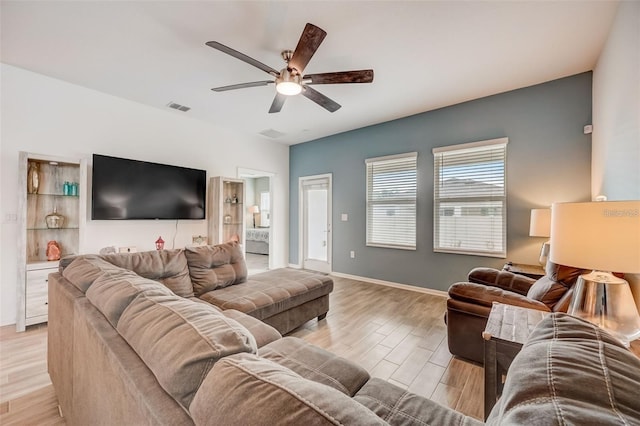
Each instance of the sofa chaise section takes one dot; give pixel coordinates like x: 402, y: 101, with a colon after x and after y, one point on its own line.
x: 283, y: 298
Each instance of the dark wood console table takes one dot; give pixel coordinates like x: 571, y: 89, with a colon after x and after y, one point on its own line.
x: 531, y: 271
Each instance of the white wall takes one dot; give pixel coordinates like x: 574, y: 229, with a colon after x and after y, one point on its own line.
x: 249, y: 196
x: 615, y: 166
x: 47, y: 116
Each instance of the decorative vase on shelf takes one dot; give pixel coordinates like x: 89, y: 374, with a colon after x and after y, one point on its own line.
x: 54, y: 220
x: 33, y: 177
x: 227, y: 219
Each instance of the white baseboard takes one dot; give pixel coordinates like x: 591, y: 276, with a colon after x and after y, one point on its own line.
x: 431, y: 291
x: 295, y: 266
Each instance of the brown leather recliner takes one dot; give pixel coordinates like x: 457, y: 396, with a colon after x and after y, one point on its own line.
x: 469, y: 303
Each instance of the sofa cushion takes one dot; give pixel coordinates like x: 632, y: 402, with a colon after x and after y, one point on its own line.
x: 506, y: 280
x: 263, y: 333
x: 485, y: 296
x: 111, y: 294
x: 316, y: 364
x: 567, y: 275
x: 570, y: 372
x: 271, y: 292
x: 399, y: 407
x: 181, y: 340
x: 166, y: 266
x: 248, y: 390
x: 550, y: 288
x: 218, y: 266
x: 547, y: 291
x: 82, y: 271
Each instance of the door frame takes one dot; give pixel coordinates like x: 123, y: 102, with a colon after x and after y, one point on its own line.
x: 301, y: 230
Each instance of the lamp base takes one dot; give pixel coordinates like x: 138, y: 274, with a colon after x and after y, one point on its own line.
x: 544, y: 254
x: 606, y: 301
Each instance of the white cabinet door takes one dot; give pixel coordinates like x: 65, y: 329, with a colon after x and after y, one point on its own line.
x: 37, y: 295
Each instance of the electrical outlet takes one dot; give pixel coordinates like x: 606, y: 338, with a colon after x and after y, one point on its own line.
x: 352, y: 254
x: 10, y: 218
x: 130, y: 249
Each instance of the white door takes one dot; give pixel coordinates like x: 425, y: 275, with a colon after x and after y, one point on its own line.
x: 315, y: 221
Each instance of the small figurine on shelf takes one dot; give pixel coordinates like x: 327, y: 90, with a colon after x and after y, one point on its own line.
x: 53, y: 250
x: 227, y: 200
x: 159, y: 243
x: 235, y: 199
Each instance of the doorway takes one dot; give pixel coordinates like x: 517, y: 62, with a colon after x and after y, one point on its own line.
x: 315, y: 222
x: 259, y: 232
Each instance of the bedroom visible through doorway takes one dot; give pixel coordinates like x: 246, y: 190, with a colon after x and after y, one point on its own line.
x: 258, y: 238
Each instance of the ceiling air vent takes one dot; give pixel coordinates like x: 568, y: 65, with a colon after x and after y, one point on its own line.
x: 271, y: 133
x: 178, y: 107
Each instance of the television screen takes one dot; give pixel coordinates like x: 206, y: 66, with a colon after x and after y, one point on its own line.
x: 129, y: 189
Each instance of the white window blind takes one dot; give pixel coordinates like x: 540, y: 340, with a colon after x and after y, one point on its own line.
x: 470, y: 197
x: 391, y: 201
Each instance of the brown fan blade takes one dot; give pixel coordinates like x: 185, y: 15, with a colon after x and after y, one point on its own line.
x: 277, y: 103
x: 320, y: 99
x: 242, y: 85
x: 361, y: 76
x: 309, y: 42
x: 229, y: 51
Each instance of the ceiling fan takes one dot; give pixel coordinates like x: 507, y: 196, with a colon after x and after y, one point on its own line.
x: 290, y: 80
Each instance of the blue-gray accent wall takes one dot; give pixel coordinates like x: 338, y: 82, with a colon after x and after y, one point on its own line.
x: 548, y: 160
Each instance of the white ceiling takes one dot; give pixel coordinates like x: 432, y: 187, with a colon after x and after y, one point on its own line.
x: 425, y: 54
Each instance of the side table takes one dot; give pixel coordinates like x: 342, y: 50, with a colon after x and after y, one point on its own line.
x: 507, y: 329
x: 531, y: 271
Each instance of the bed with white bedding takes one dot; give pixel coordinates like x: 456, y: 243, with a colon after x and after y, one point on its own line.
x: 258, y: 240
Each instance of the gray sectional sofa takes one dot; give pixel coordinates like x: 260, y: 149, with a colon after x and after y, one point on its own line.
x: 125, y: 348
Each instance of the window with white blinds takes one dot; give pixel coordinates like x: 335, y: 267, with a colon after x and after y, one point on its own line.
x: 470, y: 198
x: 391, y: 201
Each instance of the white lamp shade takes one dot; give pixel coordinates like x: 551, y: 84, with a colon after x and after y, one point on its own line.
x: 603, y: 236
x: 540, y: 224
x: 254, y: 209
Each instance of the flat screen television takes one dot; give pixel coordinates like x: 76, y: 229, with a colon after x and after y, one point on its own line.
x: 125, y: 189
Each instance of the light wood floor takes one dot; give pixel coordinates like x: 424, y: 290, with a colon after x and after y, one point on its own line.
x: 398, y: 335
x: 26, y: 394
x: 256, y: 263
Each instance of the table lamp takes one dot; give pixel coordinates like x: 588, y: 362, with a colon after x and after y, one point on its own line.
x: 540, y: 226
x: 254, y: 210
x: 605, y: 237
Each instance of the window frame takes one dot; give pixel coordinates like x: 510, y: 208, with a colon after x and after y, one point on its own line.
x: 371, y: 162
x: 471, y: 147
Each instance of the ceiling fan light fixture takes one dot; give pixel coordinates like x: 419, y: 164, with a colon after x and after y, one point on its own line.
x: 288, y: 88
x: 288, y: 84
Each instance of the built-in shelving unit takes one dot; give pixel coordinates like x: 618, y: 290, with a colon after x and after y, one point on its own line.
x: 226, y: 210
x: 38, y: 197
